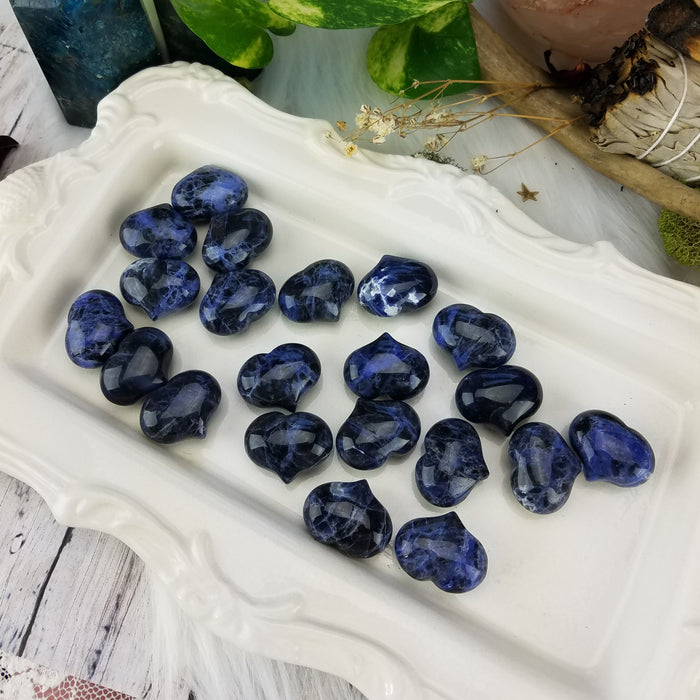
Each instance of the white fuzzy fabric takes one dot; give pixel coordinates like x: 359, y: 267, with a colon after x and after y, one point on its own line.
x: 190, y: 663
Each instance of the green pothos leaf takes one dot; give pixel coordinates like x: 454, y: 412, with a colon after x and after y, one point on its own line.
x: 437, y: 46
x: 342, y: 14
x: 236, y: 30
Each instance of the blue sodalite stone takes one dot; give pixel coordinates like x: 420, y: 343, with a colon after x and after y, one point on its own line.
x: 397, y: 285
x: 544, y: 467
x: 386, y: 368
x: 159, y: 287
x: 236, y: 299
x: 180, y: 408
x: 501, y: 397
x: 86, y: 49
x: 96, y: 326
x: 375, y: 431
x: 317, y: 292
x: 347, y: 516
x: 280, y: 377
x: 473, y: 338
x: 234, y: 238
x: 610, y: 450
x: 453, y: 463
x: 139, y: 366
x: 208, y: 191
x: 288, y: 444
x: 158, y: 232
x: 440, y: 549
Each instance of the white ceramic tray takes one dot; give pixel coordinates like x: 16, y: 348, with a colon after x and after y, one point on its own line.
x: 595, y: 601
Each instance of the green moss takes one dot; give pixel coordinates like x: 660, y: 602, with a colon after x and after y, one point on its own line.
x: 681, y: 237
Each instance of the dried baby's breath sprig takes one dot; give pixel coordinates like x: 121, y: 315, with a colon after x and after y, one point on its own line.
x: 447, y: 117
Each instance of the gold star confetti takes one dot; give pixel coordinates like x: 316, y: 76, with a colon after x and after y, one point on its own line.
x: 527, y: 194
x: 341, y: 125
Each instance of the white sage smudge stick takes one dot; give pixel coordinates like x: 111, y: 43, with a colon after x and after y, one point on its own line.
x: 645, y: 101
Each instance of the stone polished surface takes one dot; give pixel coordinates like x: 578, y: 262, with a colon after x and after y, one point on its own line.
x: 397, y: 285
x: 208, y: 191
x: 159, y: 287
x: 543, y: 467
x: 234, y: 300
x: 140, y: 365
x: 318, y: 292
x: 610, y: 450
x: 288, y: 444
x: 235, y: 237
x: 440, y: 549
x: 158, y: 232
x: 280, y: 377
x: 375, y: 431
x: 502, y: 397
x: 180, y: 408
x: 96, y: 325
x: 85, y: 49
x: 473, y: 338
x: 386, y: 368
x: 348, y: 517
x: 452, y: 464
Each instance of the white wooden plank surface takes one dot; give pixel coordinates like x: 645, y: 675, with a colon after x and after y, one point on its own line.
x: 72, y: 599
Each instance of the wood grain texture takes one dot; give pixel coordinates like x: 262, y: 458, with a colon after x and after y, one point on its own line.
x: 72, y: 599
x: 500, y: 62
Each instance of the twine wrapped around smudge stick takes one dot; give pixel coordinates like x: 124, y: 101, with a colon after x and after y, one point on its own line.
x: 645, y: 100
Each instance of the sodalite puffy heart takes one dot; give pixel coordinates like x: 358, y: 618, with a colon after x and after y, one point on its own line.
x: 181, y: 408
x: 440, y: 549
x: 375, y: 431
x: 236, y: 299
x: 397, y: 285
x: 501, y: 397
x: 159, y: 287
x: 453, y: 463
x: 348, y: 517
x: 610, y: 450
x: 473, y: 338
x: 317, y: 292
x: 288, y: 444
x: 386, y: 368
x: 208, y: 191
x: 543, y: 467
x: 234, y: 238
x: 158, y: 232
x: 280, y: 377
x: 96, y: 326
x: 139, y: 366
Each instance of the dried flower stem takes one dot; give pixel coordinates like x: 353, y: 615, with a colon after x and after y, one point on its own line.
x: 430, y: 111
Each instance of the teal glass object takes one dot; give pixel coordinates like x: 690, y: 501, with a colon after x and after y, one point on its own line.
x: 86, y: 48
